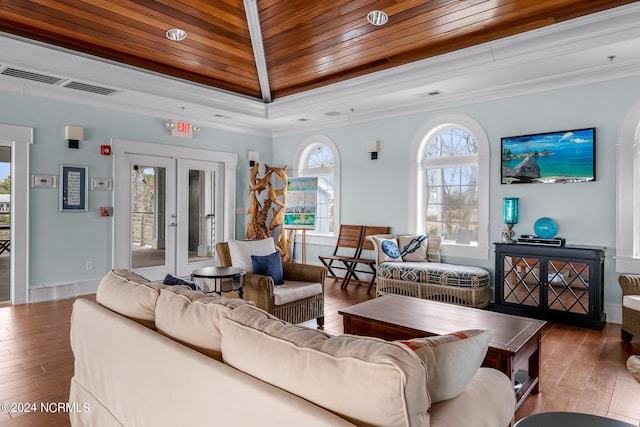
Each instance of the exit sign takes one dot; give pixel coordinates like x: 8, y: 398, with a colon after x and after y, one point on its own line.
x: 182, y: 129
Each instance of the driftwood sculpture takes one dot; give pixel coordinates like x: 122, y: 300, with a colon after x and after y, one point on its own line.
x: 275, y: 200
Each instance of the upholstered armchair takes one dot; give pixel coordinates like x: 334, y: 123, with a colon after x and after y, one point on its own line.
x: 630, y: 284
x: 299, y: 299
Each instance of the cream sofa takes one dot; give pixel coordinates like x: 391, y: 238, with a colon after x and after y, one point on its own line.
x: 148, y: 355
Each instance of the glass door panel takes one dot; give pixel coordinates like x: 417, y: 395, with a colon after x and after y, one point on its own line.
x: 148, y: 211
x: 5, y: 223
x: 568, y: 286
x: 521, y: 284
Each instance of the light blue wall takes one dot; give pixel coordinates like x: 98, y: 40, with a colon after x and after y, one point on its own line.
x: 60, y: 243
x: 374, y: 192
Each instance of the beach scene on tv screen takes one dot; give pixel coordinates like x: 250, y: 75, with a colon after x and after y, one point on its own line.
x: 566, y: 156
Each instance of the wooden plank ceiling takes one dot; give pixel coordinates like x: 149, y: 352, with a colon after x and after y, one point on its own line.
x: 307, y: 44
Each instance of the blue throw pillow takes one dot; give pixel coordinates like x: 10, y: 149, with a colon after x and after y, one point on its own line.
x: 269, y: 265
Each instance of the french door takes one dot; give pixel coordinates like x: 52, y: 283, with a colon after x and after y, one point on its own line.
x: 169, y: 214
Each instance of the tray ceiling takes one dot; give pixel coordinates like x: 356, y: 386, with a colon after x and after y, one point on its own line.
x: 270, y: 49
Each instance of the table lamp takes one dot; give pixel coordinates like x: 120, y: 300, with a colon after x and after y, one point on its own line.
x: 510, y: 213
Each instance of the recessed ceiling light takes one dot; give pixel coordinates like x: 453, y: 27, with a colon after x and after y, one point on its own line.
x: 221, y: 116
x: 332, y: 113
x: 176, y: 34
x: 303, y: 119
x: 377, y: 17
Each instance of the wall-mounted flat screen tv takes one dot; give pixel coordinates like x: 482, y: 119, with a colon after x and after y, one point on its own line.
x: 564, y: 156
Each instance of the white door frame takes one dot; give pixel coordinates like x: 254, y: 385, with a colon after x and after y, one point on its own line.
x: 19, y: 138
x: 121, y: 147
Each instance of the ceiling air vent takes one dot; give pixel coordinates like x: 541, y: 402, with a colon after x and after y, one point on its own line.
x: 28, y: 75
x: 90, y: 88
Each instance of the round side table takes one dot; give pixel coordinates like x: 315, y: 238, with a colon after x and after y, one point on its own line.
x: 221, y: 279
x: 569, y: 419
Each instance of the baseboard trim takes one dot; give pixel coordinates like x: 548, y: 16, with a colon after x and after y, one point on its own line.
x: 63, y: 290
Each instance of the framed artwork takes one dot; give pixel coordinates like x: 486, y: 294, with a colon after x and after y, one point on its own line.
x: 73, y: 188
x: 563, y: 156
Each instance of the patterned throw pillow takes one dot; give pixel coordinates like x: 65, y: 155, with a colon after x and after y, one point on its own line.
x: 451, y: 360
x: 387, y: 249
x: 413, y: 247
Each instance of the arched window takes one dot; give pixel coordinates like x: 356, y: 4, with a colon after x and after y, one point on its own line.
x: 451, y: 188
x: 318, y: 157
x: 627, y: 256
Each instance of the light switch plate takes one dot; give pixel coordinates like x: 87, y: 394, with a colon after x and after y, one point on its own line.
x: 101, y: 184
x: 44, y: 181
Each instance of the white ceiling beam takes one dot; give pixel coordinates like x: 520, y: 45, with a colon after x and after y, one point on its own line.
x: 253, y: 19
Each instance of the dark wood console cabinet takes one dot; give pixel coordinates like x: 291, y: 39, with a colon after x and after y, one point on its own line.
x: 557, y: 283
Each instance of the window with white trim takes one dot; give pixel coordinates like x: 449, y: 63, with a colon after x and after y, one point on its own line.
x: 449, y: 195
x: 318, y: 157
x: 450, y: 166
x: 627, y: 256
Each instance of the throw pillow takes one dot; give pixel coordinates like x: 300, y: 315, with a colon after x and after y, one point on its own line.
x: 451, y: 360
x: 269, y: 265
x: 387, y: 249
x: 241, y: 251
x: 176, y: 281
x: 413, y: 247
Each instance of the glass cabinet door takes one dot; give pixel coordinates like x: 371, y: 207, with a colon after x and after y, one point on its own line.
x: 568, y: 286
x: 521, y: 280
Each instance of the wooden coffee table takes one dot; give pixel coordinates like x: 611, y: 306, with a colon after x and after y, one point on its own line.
x: 514, y: 348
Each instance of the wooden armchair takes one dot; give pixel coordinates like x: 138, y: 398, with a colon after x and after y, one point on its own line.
x: 261, y: 290
x: 630, y: 284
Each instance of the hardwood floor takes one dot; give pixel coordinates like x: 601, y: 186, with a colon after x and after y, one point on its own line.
x: 583, y: 370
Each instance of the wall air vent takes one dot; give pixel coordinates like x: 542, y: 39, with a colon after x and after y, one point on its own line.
x: 90, y: 88
x: 28, y: 75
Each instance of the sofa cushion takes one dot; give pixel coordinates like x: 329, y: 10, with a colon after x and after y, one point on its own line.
x: 128, y: 294
x: 292, y: 290
x: 241, y: 251
x: 451, y: 360
x: 269, y: 265
x: 631, y: 301
x: 413, y: 247
x: 193, y: 318
x: 488, y: 401
x: 366, y: 380
x: 386, y: 249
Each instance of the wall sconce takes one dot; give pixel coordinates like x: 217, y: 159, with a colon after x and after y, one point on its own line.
x: 74, y: 135
x: 253, y: 157
x: 373, y: 147
x: 510, y: 214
